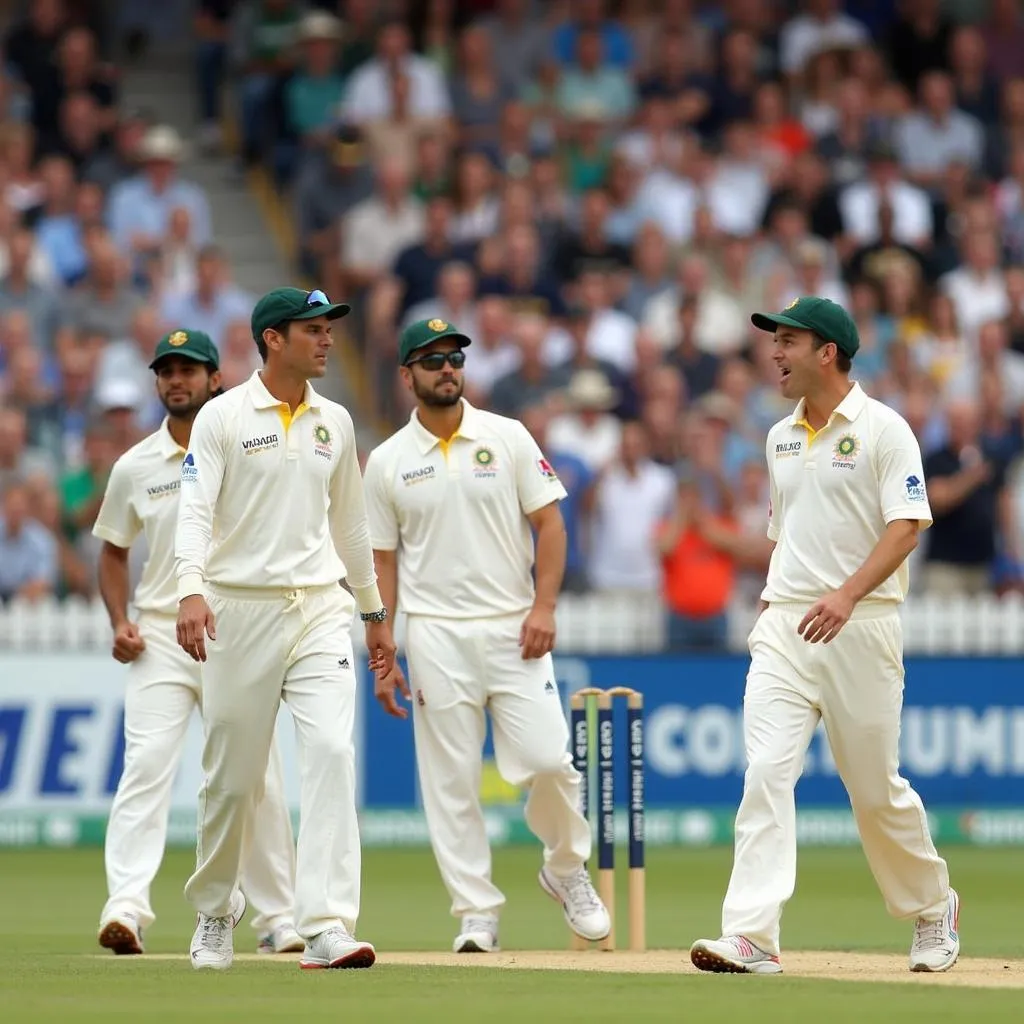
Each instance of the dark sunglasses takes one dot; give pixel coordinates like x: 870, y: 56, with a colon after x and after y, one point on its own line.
x: 435, y: 360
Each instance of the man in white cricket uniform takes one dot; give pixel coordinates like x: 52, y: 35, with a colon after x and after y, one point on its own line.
x: 848, y: 501
x: 452, y: 497
x: 164, y: 684
x: 272, y: 517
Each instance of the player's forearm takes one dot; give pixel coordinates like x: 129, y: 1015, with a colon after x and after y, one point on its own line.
x: 191, y: 544
x: 386, y: 564
x: 896, y: 544
x: 113, y: 583
x: 552, y: 545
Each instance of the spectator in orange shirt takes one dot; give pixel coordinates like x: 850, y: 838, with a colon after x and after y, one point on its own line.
x: 698, y: 577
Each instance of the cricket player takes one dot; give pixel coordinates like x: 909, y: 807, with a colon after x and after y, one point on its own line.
x: 847, y: 503
x: 452, y: 498
x: 164, y: 684
x: 272, y: 517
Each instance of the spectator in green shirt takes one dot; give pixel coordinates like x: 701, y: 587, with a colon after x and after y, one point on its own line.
x: 312, y: 95
x: 81, y: 490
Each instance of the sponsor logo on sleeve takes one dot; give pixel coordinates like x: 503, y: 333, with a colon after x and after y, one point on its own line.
x: 915, y: 489
x: 547, y: 470
x: 189, y: 470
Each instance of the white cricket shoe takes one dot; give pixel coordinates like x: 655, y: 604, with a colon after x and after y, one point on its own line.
x: 937, y: 943
x: 732, y: 954
x: 283, y: 939
x: 336, y: 948
x: 122, y: 934
x: 479, y: 934
x: 584, y: 912
x: 212, y: 943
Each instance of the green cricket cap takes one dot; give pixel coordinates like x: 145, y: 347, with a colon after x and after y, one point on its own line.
x: 286, y: 304
x: 811, y: 313
x: 194, y: 345
x: 423, y: 332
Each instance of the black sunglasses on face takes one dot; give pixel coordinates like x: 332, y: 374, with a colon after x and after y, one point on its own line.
x: 435, y: 360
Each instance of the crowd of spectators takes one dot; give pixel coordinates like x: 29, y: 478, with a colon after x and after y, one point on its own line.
x: 104, y: 246
x: 599, y: 193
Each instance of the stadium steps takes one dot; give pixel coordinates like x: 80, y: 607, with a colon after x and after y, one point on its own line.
x: 250, y: 222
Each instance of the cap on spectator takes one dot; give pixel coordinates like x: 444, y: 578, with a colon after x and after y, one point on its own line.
x: 812, y: 251
x: 283, y: 305
x: 715, y: 405
x: 319, y: 25
x: 118, y: 393
x: 193, y: 345
x: 811, y: 313
x: 348, y: 149
x: 162, y: 142
x: 589, y: 390
x: 421, y: 333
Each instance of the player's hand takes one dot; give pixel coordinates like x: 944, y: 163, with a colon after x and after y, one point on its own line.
x: 381, y: 646
x: 128, y: 643
x: 195, y: 624
x: 537, y: 636
x: 384, y: 688
x: 826, y: 617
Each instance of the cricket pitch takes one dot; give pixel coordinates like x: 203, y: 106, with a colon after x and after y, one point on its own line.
x: 971, y: 972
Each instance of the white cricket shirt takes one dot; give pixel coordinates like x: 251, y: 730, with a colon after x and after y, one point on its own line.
x: 270, y: 499
x: 142, y: 497
x: 456, y: 513
x: 834, y: 491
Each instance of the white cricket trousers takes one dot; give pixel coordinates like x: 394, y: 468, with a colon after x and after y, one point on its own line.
x: 855, y: 686
x: 163, y: 689
x: 295, y: 645
x: 458, y: 669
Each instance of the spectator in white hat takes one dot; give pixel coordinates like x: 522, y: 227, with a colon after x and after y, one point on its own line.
x: 141, y: 207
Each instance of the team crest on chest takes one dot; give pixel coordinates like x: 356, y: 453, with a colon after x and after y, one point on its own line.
x: 322, y: 441
x: 845, y: 451
x: 483, y: 462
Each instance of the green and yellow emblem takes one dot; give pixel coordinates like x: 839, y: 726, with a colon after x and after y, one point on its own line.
x: 438, y: 324
x: 483, y: 457
x: 177, y: 339
x: 846, y: 448
x: 321, y: 434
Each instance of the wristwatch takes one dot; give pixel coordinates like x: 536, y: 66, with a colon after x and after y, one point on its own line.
x: 380, y: 616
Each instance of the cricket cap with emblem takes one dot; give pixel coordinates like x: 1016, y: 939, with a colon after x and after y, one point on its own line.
x: 282, y: 305
x: 811, y: 313
x: 423, y: 332
x: 194, y: 345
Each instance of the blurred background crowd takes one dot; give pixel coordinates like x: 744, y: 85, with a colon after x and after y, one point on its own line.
x: 599, y: 193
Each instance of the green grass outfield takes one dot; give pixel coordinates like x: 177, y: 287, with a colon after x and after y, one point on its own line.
x: 49, y: 970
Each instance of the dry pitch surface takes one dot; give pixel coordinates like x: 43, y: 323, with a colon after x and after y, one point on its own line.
x: 971, y: 972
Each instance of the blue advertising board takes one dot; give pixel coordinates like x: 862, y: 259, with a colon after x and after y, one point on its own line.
x: 962, y: 740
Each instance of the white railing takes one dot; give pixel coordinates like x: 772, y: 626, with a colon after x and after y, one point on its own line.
x: 593, y: 624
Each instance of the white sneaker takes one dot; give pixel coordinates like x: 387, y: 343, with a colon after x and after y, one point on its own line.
x: 283, y: 939
x: 937, y: 943
x: 479, y: 934
x: 336, y: 948
x: 212, y: 943
x: 122, y: 934
x: 732, y: 954
x: 584, y: 912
